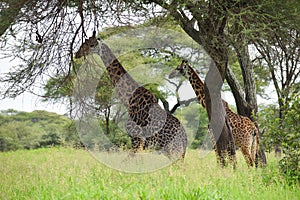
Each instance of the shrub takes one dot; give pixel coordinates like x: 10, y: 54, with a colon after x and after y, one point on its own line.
x: 285, y: 133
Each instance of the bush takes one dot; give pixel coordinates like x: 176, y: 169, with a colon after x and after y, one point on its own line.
x: 289, y: 166
x: 285, y: 133
x: 22, y: 130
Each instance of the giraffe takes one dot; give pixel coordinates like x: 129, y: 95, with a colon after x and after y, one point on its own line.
x: 149, y: 126
x: 244, y: 131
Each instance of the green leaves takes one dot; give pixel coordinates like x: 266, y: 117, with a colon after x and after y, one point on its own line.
x: 21, y: 130
x: 285, y: 133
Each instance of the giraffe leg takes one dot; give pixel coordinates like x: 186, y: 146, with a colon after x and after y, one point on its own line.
x: 246, y: 150
x: 255, y: 150
x: 137, y: 144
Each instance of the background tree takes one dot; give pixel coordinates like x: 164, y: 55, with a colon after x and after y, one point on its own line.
x: 278, y: 51
x: 280, y: 54
x: 22, y: 130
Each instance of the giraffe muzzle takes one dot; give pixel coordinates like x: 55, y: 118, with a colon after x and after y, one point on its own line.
x: 174, y: 73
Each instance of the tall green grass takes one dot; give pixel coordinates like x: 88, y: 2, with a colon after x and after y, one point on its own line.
x: 59, y: 173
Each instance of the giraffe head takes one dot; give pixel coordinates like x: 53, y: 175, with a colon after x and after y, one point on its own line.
x: 90, y: 46
x: 180, y: 70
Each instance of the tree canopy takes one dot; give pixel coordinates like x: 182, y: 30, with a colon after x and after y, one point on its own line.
x: 22, y: 130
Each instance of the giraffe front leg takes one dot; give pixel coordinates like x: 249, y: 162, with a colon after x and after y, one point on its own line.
x: 137, y: 144
x: 135, y: 133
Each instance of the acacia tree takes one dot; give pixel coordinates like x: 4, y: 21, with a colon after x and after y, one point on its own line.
x: 280, y: 54
x: 46, y: 34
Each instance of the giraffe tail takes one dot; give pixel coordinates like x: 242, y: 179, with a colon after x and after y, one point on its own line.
x: 254, y: 146
x: 253, y: 143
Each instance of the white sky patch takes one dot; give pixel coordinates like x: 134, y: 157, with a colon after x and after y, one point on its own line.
x: 26, y: 102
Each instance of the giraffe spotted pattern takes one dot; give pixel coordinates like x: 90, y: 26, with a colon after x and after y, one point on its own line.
x: 149, y: 126
x: 244, y: 131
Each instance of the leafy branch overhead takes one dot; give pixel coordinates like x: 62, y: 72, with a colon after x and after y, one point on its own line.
x: 53, y: 30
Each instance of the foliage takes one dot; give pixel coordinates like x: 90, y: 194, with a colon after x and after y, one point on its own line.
x: 290, y: 164
x: 38, y: 129
x: 286, y: 134
x: 22, y: 130
x: 61, y: 173
x: 58, y: 89
x: 194, y: 119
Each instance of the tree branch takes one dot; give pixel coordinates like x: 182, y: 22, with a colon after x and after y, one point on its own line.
x: 183, y: 102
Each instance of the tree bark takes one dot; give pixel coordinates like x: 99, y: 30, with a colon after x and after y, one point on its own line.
x: 249, y: 82
x: 242, y: 105
x: 218, y: 123
x: 249, y: 107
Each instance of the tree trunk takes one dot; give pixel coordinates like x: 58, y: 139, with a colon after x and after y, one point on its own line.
x: 242, y: 105
x: 249, y: 82
x: 218, y: 124
x: 250, y: 107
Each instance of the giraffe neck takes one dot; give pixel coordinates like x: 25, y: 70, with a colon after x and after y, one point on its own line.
x: 197, y: 85
x: 230, y: 113
x: 231, y: 116
x: 114, y: 67
x: 124, y: 84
